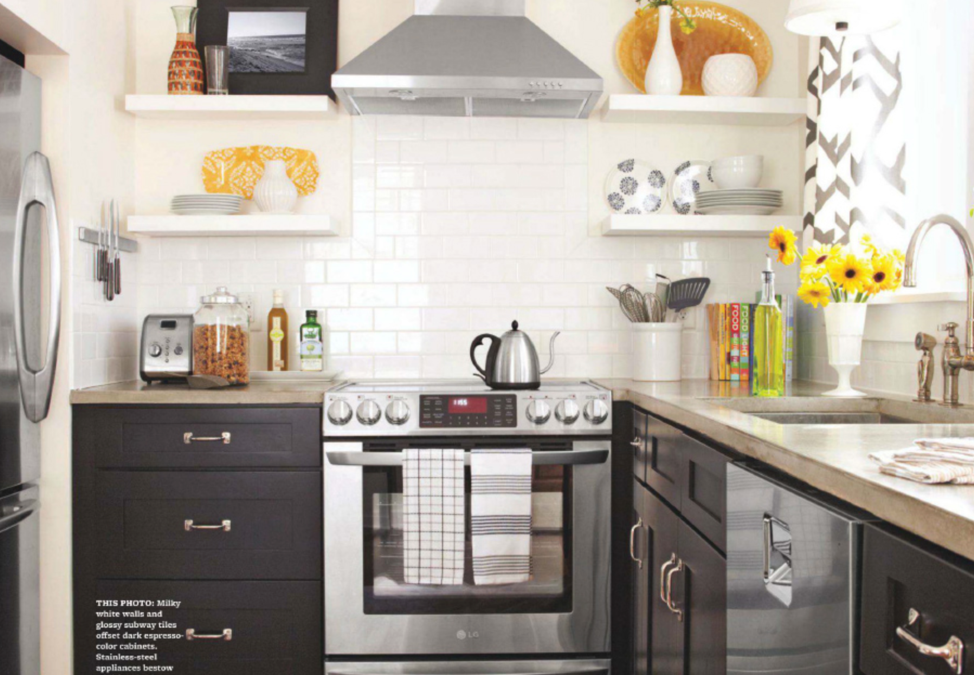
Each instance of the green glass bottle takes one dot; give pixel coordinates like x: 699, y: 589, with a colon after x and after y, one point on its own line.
x: 768, y: 354
x: 312, y: 348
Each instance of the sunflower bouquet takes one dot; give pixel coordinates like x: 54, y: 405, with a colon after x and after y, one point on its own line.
x: 836, y: 273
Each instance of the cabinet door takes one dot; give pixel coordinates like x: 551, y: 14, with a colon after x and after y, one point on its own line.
x: 640, y: 550
x: 640, y: 445
x: 664, y: 460
x: 666, y: 632
x: 703, y: 486
x: 700, y: 590
x: 903, y: 578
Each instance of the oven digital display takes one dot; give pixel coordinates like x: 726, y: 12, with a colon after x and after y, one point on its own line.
x: 467, y: 405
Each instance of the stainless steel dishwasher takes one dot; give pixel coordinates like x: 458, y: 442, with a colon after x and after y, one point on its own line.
x: 792, y: 576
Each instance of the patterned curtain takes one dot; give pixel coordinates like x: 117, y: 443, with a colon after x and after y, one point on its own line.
x: 856, y: 143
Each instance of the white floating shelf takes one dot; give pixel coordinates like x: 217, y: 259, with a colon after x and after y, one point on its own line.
x: 230, y: 107
x: 233, y: 226
x: 743, y: 111
x: 675, y: 225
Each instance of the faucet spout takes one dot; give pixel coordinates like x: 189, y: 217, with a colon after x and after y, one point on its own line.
x: 967, y: 247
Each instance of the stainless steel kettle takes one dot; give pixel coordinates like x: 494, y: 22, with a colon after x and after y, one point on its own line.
x: 512, y: 360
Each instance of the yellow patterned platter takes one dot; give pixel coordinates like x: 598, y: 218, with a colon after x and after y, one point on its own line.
x: 236, y: 170
x: 720, y: 30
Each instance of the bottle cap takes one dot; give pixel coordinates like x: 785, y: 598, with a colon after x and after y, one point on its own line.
x: 278, y: 296
x: 312, y: 313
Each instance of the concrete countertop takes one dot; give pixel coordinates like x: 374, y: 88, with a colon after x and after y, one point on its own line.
x: 832, y: 458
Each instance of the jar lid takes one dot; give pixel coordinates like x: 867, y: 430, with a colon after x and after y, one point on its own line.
x: 221, y: 297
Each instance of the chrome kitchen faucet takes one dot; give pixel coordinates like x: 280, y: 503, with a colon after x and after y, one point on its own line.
x: 952, y: 360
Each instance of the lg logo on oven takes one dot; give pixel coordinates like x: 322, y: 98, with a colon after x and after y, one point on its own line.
x: 467, y: 635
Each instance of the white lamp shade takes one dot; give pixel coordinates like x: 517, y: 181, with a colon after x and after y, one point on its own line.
x: 841, y: 17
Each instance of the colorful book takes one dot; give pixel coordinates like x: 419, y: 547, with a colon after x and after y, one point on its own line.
x: 735, y: 342
x: 745, y: 342
x: 713, y: 320
x: 722, y: 321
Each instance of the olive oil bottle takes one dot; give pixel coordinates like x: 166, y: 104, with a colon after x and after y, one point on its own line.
x: 768, y: 354
x: 277, y: 335
x: 312, y: 349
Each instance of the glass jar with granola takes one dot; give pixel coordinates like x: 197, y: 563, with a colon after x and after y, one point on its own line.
x: 221, y: 338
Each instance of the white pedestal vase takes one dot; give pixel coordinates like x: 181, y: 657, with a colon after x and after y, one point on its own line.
x: 845, y: 323
x: 663, y: 74
x: 275, y: 192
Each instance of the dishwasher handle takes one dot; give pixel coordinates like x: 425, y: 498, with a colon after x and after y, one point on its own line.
x: 554, y: 458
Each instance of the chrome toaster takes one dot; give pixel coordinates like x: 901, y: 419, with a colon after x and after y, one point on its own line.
x: 166, y: 353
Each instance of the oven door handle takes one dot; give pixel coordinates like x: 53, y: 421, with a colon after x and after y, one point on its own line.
x: 556, y: 458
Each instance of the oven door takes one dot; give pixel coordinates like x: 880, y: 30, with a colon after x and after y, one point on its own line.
x: 370, y: 610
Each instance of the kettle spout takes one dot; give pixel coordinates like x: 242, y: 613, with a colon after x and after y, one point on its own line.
x: 551, y: 353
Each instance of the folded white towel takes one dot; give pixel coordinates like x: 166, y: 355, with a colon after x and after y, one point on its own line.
x: 433, y: 516
x: 500, y: 515
x: 931, y: 461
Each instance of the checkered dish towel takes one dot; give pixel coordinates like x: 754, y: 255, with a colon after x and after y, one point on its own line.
x: 931, y: 461
x: 433, y: 516
x: 500, y: 515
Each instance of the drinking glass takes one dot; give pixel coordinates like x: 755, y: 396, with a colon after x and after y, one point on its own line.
x: 217, y: 70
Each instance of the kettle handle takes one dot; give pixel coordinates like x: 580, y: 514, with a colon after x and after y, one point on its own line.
x: 478, y: 341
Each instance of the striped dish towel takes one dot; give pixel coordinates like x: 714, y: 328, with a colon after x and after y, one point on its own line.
x: 931, y: 461
x: 433, y: 516
x: 500, y: 515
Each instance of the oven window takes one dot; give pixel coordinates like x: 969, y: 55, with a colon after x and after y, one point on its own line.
x: 548, y: 591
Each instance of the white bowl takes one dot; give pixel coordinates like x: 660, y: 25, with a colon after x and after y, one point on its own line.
x: 730, y: 75
x: 733, y: 173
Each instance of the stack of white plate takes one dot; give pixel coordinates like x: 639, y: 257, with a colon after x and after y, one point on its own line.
x: 206, y: 205
x: 740, y: 202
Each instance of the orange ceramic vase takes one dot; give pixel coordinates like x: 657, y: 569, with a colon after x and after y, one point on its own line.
x: 185, y: 66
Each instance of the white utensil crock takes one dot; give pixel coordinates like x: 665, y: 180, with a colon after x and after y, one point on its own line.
x: 274, y: 192
x: 663, y: 74
x: 657, y: 350
x: 845, y: 323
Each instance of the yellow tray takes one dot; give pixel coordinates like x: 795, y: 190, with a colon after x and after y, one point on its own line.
x: 720, y: 30
x: 236, y: 170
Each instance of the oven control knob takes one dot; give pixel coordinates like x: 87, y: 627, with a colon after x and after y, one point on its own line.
x: 567, y: 412
x: 340, y: 412
x: 397, y: 412
x: 596, y: 411
x: 538, y: 412
x: 368, y: 412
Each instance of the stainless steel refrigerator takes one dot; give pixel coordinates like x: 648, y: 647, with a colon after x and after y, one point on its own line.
x: 30, y: 305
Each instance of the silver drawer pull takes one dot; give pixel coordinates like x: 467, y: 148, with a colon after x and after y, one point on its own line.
x: 952, y: 652
x: 632, y: 543
x: 189, y: 526
x: 636, y: 442
x: 226, y: 635
x: 668, y: 600
x: 189, y: 438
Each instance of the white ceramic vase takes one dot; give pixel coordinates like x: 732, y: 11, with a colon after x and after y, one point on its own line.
x: 274, y: 192
x: 730, y: 75
x: 663, y: 74
x: 845, y: 323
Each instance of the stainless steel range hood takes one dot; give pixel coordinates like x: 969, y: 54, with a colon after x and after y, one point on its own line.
x: 473, y: 58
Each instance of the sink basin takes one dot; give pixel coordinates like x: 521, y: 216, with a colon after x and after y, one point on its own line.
x: 812, y: 410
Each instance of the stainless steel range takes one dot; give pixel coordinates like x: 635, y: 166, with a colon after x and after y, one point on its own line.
x: 562, y: 610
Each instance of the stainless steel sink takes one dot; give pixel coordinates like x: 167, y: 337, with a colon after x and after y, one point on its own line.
x: 813, y: 410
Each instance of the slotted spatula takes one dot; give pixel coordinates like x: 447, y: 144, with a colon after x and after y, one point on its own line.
x: 687, y: 293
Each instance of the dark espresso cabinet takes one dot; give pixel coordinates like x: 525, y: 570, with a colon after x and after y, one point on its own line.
x: 198, y: 539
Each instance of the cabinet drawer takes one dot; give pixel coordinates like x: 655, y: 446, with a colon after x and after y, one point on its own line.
x: 899, y: 574
x: 209, y: 525
x: 703, y: 489
x: 275, y: 627
x: 161, y: 437
x: 663, y: 461
x: 640, y: 443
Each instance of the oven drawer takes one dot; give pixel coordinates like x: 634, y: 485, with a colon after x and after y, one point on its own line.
x: 220, y: 628
x: 161, y: 437
x: 208, y: 525
x: 899, y: 576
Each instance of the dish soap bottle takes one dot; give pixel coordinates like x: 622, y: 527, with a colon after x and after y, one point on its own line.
x: 277, y: 347
x: 312, y: 350
x: 769, y: 362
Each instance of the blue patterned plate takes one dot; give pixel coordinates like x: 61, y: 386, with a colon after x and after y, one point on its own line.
x: 635, y: 188
x: 690, y: 179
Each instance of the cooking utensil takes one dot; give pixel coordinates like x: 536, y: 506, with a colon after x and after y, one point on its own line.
x: 634, y: 304
x: 663, y: 288
x: 618, y: 295
x: 655, y: 307
x: 512, y: 360
x: 118, y: 253
x: 110, y: 264
x: 687, y: 293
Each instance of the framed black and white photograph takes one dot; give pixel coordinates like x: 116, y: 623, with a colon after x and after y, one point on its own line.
x: 276, y: 46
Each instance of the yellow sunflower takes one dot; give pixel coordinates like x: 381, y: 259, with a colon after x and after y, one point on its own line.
x: 815, y: 293
x: 815, y: 261
x: 783, y: 240
x: 883, y: 275
x: 849, y: 272
x: 872, y: 250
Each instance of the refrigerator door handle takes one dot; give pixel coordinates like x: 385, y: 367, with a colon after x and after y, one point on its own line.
x: 14, y: 514
x: 37, y: 189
